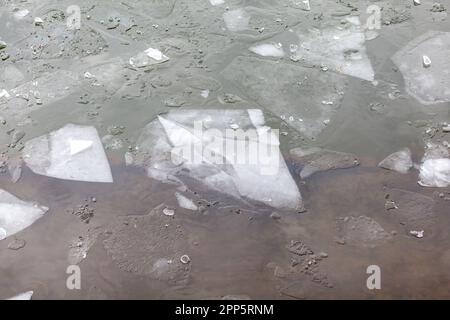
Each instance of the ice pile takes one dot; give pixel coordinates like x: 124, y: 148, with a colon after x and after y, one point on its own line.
x: 16, y: 215
x: 236, y: 20
x: 340, y: 49
x: 230, y: 151
x: 399, y: 161
x: 73, y: 152
x: 425, y: 65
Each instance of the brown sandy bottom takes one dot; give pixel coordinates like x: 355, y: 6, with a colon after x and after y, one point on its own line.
x: 235, y: 250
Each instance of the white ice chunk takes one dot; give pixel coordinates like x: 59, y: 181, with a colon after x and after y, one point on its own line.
x: 185, y: 202
x: 20, y: 14
x: 236, y: 20
x: 16, y: 215
x: 339, y: 49
x: 435, y: 173
x: 399, y: 161
x: 428, y: 82
x: 23, y: 296
x: 72, y: 153
x: 268, y: 50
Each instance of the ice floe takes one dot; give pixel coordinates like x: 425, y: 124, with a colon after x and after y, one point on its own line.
x: 425, y: 66
x: 16, y: 215
x: 73, y: 152
x: 399, y: 161
x: 201, y: 145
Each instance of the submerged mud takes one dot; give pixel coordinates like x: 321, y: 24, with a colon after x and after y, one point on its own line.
x: 345, y: 99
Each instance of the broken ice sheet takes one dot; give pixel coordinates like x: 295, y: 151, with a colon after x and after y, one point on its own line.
x: 73, y: 152
x: 292, y: 92
x: 185, y: 202
x: 212, y: 163
x: 16, y: 215
x: 428, y: 85
x: 339, y: 48
x: 435, y: 167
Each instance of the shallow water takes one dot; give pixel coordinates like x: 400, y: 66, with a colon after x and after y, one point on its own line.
x: 235, y: 246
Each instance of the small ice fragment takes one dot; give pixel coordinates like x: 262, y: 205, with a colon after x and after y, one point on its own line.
x: 205, y: 94
x: 38, y: 21
x: 268, y: 50
x: 20, y: 14
x: 23, y: 296
x: 185, y: 202
x: 236, y: 20
x: 417, y: 234
x: 399, y: 161
x: 16, y: 215
x: 4, y: 94
x: 149, y: 57
x: 416, y: 2
x: 216, y: 2
x: 72, y: 153
x: 77, y: 146
x: 426, y: 61
x: 435, y: 173
x: 155, y: 54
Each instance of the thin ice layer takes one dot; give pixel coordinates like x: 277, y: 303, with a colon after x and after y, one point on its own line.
x: 16, y: 215
x: 429, y: 85
x: 72, y: 153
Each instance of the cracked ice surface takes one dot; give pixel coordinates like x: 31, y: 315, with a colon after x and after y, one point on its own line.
x: 72, y: 153
x: 268, y: 180
x: 428, y: 85
x: 16, y: 215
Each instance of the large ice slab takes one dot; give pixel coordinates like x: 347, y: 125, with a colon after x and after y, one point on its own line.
x: 16, y: 215
x: 429, y: 84
x: 230, y: 151
x: 73, y: 152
